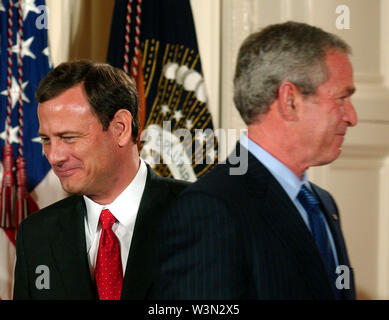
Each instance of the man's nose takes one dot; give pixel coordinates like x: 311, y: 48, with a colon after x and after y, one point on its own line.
x: 350, y: 115
x: 55, y: 153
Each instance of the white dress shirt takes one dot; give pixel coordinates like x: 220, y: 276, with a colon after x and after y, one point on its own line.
x: 124, y: 208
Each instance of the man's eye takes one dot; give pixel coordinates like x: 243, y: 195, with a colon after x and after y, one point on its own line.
x: 69, y: 139
x: 342, y: 100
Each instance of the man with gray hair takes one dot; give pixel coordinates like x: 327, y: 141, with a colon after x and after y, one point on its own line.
x: 268, y: 233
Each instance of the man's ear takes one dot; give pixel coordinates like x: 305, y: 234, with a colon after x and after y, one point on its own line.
x: 121, y: 127
x: 287, y: 94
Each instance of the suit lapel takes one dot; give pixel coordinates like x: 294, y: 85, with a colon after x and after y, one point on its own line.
x: 69, y: 251
x: 141, y: 259
x: 281, y: 214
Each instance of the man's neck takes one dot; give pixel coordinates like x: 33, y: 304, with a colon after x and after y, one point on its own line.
x: 118, y: 183
x: 278, y: 145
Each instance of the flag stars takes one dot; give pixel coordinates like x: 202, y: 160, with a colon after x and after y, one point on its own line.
x: 13, y: 135
x: 27, y: 6
x: 16, y: 91
x: 25, y: 48
x: 211, y: 155
x: 189, y: 124
x: 46, y: 52
x: 38, y: 140
x: 178, y: 115
x: 165, y: 109
x: 201, y: 136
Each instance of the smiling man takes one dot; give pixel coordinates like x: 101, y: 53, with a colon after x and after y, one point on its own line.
x: 98, y: 243
x: 269, y: 233
x: 83, y: 155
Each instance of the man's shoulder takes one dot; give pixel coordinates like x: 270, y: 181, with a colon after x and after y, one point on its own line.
x: 49, y: 215
x: 319, y: 189
x: 219, y: 182
x: 173, y: 186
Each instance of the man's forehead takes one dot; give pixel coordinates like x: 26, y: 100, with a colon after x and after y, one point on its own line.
x: 52, y: 107
x: 337, y: 60
x: 340, y: 69
x: 73, y: 99
x: 70, y: 95
x: 65, y: 114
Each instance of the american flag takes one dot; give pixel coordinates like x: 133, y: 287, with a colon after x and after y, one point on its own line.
x: 24, y: 61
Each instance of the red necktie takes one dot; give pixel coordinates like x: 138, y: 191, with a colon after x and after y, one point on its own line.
x: 108, y: 271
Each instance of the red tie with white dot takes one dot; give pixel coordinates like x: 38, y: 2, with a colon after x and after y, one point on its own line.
x: 108, y: 271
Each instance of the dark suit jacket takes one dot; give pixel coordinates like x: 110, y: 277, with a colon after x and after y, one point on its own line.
x: 241, y: 237
x: 55, y: 237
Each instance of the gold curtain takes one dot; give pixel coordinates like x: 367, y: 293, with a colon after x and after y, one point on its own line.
x: 79, y: 29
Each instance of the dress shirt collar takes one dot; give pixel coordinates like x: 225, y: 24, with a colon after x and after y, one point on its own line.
x: 125, y: 207
x: 286, y: 177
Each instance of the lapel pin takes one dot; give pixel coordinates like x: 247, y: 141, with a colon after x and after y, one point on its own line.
x: 335, y: 217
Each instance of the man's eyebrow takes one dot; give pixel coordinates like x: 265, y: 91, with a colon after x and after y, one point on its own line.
x: 58, y: 134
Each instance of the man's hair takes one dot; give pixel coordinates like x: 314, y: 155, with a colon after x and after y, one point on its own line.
x: 289, y: 51
x: 108, y: 89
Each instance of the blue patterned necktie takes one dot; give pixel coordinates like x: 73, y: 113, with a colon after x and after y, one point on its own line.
x: 319, y: 233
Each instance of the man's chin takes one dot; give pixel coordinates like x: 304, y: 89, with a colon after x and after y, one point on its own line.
x: 71, y: 189
x: 332, y: 157
x: 327, y: 158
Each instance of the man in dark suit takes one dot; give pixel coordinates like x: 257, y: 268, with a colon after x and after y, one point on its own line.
x: 98, y: 243
x: 256, y: 228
